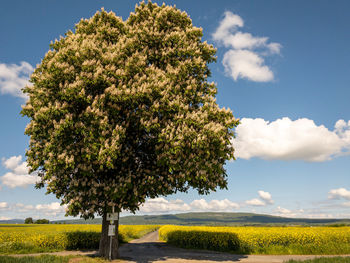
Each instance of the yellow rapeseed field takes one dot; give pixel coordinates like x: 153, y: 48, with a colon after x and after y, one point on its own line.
x: 40, y: 238
x: 261, y: 240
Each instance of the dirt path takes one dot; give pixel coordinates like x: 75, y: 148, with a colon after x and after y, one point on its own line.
x: 149, y: 249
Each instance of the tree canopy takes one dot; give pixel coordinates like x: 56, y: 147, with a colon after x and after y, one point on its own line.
x: 28, y: 220
x: 42, y: 221
x: 121, y: 111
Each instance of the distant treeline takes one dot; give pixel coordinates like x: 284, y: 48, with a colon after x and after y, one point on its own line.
x: 30, y: 220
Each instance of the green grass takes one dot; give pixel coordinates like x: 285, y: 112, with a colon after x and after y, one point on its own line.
x: 39, y: 259
x: 323, y: 260
x: 303, y: 249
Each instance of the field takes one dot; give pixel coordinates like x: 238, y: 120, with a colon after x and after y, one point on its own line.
x: 261, y: 240
x: 16, y: 239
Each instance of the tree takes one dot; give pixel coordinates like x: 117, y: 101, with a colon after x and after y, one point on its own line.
x: 121, y: 111
x: 28, y: 220
x: 42, y: 221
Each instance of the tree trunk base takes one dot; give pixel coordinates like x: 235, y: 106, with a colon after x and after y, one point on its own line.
x: 107, y: 250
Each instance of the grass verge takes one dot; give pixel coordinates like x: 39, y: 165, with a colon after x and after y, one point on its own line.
x: 322, y: 260
x: 53, y: 259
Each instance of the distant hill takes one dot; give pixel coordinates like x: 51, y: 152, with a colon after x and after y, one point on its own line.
x: 212, y: 219
x: 204, y: 218
x: 12, y: 221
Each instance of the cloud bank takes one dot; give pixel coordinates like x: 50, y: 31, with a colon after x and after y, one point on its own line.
x: 18, y: 176
x: 284, y: 212
x: 161, y: 205
x: 14, y: 77
x: 284, y: 139
x: 53, y: 209
x: 245, y: 57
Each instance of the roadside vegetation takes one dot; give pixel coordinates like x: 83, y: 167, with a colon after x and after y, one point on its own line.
x: 323, y: 260
x: 261, y: 240
x: 23, y: 239
x: 52, y: 259
x: 39, y: 259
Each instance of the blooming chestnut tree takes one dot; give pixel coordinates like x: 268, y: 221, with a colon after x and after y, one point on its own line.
x: 121, y: 111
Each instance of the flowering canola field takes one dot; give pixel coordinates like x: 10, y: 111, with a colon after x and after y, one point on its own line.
x: 261, y: 240
x: 43, y: 238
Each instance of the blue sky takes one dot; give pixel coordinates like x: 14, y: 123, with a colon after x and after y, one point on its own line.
x: 283, y: 68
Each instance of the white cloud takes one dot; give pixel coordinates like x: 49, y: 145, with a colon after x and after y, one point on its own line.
x: 283, y: 210
x: 13, y: 180
x: 22, y: 168
x: 14, y: 77
x: 339, y: 193
x: 266, y: 196
x: 4, y: 218
x: 265, y: 199
x: 229, y: 23
x: 161, y: 205
x: 285, y: 139
x: 308, y: 213
x: 280, y: 211
x: 3, y: 205
x: 319, y: 215
x: 37, y: 211
x: 245, y: 57
x: 275, y: 48
x: 241, y: 40
x: 255, y: 202
x: 12, y: 162
x: 19, y: 176
x: 246, y: 64
x: 213, y: 205
x: 52, y: 209
x: 19, y: 207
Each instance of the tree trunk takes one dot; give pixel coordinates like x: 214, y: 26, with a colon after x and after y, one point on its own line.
x: 105, y: 240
